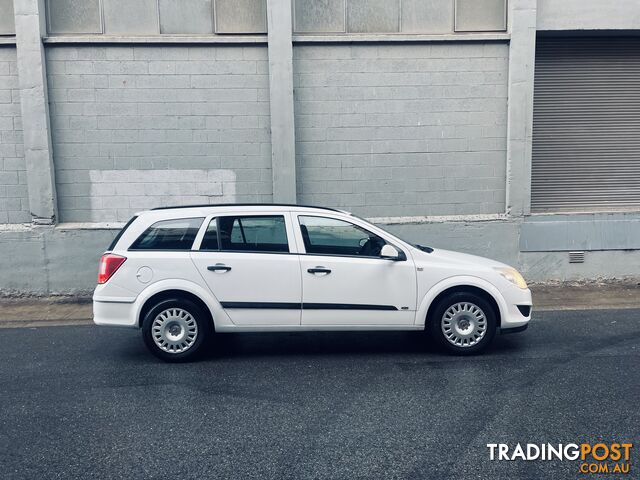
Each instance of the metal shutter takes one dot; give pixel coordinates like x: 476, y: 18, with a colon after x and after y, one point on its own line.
x: 586, y: 125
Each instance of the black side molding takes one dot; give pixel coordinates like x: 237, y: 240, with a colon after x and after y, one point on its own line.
x: 306, y: 306
x: 262, y: 305
x: 345, y: 306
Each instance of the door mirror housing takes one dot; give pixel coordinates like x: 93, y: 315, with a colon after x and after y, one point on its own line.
x: 390, y: 252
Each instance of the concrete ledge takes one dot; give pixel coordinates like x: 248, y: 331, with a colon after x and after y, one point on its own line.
x: 90, y: 226
x: 399, y: 37
x: 7, y: 41
x: 299, y: 38
x: 492, y: 217
x: 171, y: 39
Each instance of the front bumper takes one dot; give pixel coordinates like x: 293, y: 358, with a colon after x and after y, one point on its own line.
x: 517, y: 315
x: 521, y: 328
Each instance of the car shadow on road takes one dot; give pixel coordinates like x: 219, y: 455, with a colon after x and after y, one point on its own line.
x: 338, y: 344
x: 319, y: 343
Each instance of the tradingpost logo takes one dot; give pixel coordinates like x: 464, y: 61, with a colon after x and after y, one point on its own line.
x: 600, y: 458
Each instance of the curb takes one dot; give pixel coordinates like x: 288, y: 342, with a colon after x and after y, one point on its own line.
x: 61, y: 310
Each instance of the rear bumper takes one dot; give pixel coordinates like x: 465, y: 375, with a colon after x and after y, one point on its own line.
x: 115, y: 314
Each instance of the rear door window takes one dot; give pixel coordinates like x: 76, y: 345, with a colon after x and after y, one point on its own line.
x: 253, y: 233
x: 177, y: 234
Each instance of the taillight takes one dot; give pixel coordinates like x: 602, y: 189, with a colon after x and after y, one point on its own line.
x: 109, y: 263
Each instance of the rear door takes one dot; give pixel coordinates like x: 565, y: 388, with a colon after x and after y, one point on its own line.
x: 247, y: 262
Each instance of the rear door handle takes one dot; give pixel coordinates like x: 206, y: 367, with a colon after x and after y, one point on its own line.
x: 218, y: 267
x: 315, y: 270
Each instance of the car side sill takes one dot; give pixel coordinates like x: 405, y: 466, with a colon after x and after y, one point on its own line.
x: 316, y: 328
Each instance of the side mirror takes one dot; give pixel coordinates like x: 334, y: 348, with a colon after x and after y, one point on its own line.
x: 390, y: 252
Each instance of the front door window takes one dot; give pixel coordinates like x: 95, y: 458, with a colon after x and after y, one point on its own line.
x: 329, y: 236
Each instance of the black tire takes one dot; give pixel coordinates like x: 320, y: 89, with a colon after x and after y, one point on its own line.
x: 203, y: 329
x: 481, y: 340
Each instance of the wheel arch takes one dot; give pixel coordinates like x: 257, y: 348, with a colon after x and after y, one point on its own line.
x: 465, y: 289
x: 474, y: 285
x: 174, y: 293
x: 182, y: 289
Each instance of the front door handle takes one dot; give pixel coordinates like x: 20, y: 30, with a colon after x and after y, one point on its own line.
x: 218, y: 267
x: 315, y: 270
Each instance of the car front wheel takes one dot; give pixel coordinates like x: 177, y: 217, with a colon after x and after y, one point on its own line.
x: 464, y: 323
x: 176, y: 330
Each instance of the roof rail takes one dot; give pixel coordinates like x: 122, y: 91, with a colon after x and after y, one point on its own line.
x: 248, y: 205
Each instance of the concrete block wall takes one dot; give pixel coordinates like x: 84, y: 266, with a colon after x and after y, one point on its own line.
x: 14, y: 203
x: 116, y: 195
x: 167, y: 108
x: 402, y: 130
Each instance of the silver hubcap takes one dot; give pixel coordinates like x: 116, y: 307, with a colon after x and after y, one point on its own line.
x: 174, y: 330
x: 464, y: 324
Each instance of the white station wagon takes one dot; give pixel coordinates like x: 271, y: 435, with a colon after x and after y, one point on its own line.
x: 181, y: 274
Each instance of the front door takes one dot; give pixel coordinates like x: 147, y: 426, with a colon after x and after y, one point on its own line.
x: 246, y: 263
x: 345, y: 282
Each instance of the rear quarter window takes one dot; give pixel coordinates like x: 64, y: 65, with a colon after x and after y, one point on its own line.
x: 120, y: 233
x: 176, y: 234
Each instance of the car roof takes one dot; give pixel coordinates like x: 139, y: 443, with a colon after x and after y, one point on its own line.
x: 239, y: 207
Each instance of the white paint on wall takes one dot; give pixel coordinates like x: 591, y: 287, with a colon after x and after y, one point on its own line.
x: 118, y: 194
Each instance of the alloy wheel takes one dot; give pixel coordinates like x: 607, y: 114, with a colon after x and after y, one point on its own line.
x: 174, y: 330
x: 464, y: 324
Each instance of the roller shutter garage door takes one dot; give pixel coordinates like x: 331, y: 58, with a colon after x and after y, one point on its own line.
x: 586, y: 126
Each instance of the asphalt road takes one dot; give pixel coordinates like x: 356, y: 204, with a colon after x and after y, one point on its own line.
x: 89, y: 402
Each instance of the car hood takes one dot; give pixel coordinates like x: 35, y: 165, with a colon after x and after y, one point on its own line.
x: 456, y: 258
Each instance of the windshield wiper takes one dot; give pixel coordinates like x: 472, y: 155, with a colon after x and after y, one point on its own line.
x: 424, y: 249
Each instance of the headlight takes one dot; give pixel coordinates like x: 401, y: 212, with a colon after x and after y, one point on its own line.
x: 512, y: 275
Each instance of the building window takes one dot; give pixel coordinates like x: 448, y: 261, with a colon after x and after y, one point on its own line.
x: 7, y: 23
x: 481, y: 15
x: 74, y: 16
x: 241, y: 16
x: 186, y: 16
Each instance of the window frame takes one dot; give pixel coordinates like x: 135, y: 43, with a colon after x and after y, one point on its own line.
x: 288, y: 233
x: 189, y: 249
x: 200, y: 239
x: 122, y: 231
x: 303, y: 247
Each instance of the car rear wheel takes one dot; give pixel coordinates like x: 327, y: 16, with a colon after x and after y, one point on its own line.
x: 176, y: 330
x: 464, y: 323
